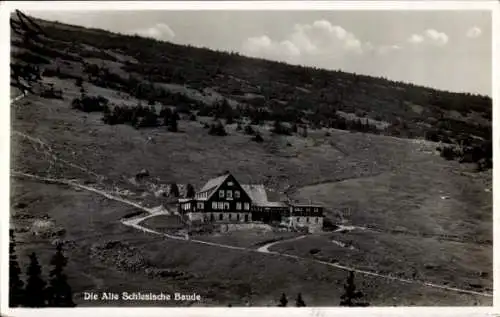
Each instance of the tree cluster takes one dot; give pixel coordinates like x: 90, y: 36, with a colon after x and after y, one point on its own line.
x: 480, y: 154
x: 350, y: 298
x: 299, y: 302
x: 90, y: 103
x: 35, y: 292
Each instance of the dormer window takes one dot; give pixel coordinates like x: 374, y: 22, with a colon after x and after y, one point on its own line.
x: 221, y: 194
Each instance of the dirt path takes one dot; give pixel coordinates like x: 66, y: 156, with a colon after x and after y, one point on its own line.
x: 265, y: 248
x: 135, y: 223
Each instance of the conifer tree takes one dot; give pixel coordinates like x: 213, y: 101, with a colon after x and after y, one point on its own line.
x: 283, y: 300
x: 299, y: 302
x: 173, y: 127
x: 59, y: 292
x: 174, y: 190
x: 190, y: 191
x: 34, y: 294
x: 166, y: 113
x: 15, y: 282
x: 351, y: 295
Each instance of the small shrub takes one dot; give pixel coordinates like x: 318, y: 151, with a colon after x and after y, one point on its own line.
x: 314, y: 251
x: 217, y: 129
x: 258, y: 138
x: 249, y: 130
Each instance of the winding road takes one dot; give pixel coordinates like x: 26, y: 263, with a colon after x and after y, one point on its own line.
x: 265, y: 248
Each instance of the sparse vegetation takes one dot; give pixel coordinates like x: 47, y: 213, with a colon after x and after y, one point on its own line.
x: 343, y: 171
x: 35, y: 294
x: 16, y: 294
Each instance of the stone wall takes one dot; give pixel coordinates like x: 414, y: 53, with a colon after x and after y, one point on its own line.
x: 314, y: 224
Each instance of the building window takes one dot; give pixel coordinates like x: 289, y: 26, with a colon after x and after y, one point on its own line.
x: 236, y: 194
x: 315, y: 209
x: 247, y: 206
x: 238, y: 206
x: 246, y: 218
x: 230, y: 184
x: 200, y: 206
x: 229, y: 194
x: 226, y: 206
x: 317, y: 219
x: 220, y: 205
x: 221, y: 194
x: 214, y: 205
x: 220, y: 216
x: 238, y: 217
x: 307, y: 219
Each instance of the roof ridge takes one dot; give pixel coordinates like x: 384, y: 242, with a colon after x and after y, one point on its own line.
x: 220, y: 180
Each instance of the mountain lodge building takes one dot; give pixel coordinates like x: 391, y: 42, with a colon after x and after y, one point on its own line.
x: 223, y: 199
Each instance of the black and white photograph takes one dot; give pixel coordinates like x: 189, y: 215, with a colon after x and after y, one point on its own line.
x: 235, y: 158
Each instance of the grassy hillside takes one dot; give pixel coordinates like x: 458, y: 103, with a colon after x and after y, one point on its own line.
x: 82, y: 121
x: 281, y: 91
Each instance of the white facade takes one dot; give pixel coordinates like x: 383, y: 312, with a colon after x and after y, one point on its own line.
x: 220, y: 216
x: 314, y: 224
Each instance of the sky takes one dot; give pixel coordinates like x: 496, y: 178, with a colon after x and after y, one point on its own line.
x: 448, y: 50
